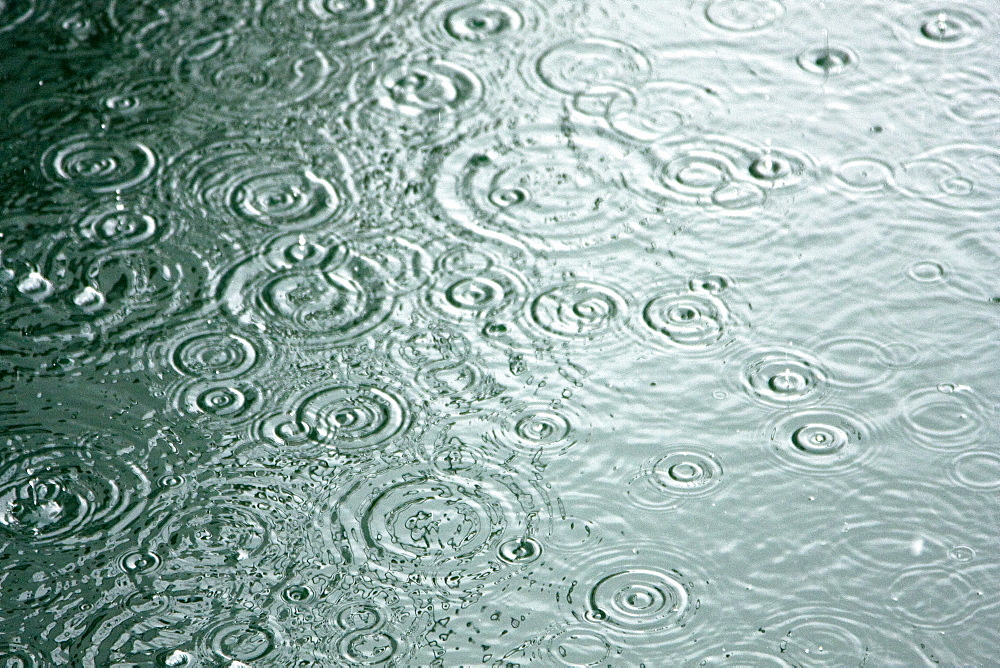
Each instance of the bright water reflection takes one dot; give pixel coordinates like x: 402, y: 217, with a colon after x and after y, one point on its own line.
x: 499, y: 332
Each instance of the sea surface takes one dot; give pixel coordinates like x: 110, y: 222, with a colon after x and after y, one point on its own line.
x: 499, y: 333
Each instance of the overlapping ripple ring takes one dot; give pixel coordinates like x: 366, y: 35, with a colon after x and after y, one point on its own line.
x: 429, y: 524
x: 337, y: 23
x: 978, y: 470
x: 944, y: 418
x: 862, y: 361
x: 827, y: 441
x: 580, y: 309
x: 254, y: 71
x: 242, y: 181
x: 243, y: 640
x: 936, y: 597
x: 68, y: 492
x: 122, y: 226
x: 643, y: 592
x: 16, y: 12
x: 311, y: 298
x: 427, y: 85
x: 811, y: 634
x: 784, y: 378
x: 577, y: 65
x: 354, y: 419
x: 543, y: 188
x: 683, y: 472
x: 956, y: 176
x: 99, y: 164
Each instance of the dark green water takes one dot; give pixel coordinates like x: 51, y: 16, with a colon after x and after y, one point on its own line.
x: 499, y: 332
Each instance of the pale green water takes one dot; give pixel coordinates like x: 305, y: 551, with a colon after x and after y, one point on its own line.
x: 499, y: 333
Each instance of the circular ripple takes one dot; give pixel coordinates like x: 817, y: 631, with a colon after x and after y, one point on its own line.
x: 213, y: 355
x: 428, y: 524
x: 643, y: 593
x: 687, y: 320
x: 310, y: 297
x: 862, y: 362
x: 723, y: 172
x: 55, y: 490
x: 824, y: 635
x: 945, y: 418
x: 682, y: 473
x: 659, y: 108
x: 580, y: 309
x: 243, y: 641
x: 578, y: 646
x: 16, y: 12
x: 961, y: 177
x: 826, y: 60
x: 219, y: 399
x: 482, y: 23
x: 250, y: 70
x: 121, y: 226
x: 335, y: 22
x: 865, y: 175
x: 15, y: 655
x: 353, y: 419
x: 783, y: 378
x: 483, y: 295
x: 944, y: 28
x: 935, y: 597
x: 902, y: 523
x: 241, y: 180
x: 744, y: 15
x: 548, y: 430
x: 576, y: 66
x: 99, y: 164
x: 977, y: 470
x: 543, y: 188
x: 822, y: 441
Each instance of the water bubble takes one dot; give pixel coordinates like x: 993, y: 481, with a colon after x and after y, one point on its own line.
x: 247, y: 70
x: 783, y: 378
x: 743, y: 15
x: 686, y: 320
x: 576, y: 66
x: 89, y: 299
x: 579, y: 309
x: 826, y: 60
x: 962, y: 554
x: 213, y: 355
x: 35, y: 286
x: 943, y: 421
x: 822, y: 441
x: 67, y: 493
x: 99, y: 164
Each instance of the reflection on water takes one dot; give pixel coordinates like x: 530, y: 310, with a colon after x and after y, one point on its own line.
x: 499, y: 332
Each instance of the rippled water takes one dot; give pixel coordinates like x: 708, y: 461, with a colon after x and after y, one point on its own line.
x: 499, y: 332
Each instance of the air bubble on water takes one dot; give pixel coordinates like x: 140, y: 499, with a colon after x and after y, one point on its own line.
x: 35, y: 286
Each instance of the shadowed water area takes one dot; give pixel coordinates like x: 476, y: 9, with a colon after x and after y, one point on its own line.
x: 499, y: 332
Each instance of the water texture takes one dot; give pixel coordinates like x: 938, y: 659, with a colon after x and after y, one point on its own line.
x: 499, y: 332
